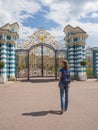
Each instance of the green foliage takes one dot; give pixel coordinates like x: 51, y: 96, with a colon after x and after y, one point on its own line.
x: 2, y: 64
x: 83, y: 63
x: 89, y: 71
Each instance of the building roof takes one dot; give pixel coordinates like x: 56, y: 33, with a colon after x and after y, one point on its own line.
x: 95, y: 48
x: 10, y: 26
x: 73, y: 29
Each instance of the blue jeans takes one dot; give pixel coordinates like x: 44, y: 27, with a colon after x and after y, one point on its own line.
x: 64, y: 97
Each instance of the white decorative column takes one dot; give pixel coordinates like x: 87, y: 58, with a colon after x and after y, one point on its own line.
x: 75, y: 41
x: 12, y: 61
x: 8, y: 35
x: 4, y: 59
x: 70, y: 57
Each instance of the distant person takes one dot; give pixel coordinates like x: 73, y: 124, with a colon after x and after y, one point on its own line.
x: 64, y: 81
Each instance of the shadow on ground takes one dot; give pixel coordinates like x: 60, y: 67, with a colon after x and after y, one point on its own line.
x: 38, y: 80
x: 42, y: 113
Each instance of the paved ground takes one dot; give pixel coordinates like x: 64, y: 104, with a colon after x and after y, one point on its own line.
x: 34, y: 106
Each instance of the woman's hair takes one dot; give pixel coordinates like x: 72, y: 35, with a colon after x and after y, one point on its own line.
x: 66, y: 66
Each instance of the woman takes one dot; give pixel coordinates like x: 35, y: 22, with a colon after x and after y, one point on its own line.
x: 64, y: 80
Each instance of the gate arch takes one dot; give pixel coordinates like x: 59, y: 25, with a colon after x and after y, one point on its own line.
x: 43, y: 44
x: 39, y: 66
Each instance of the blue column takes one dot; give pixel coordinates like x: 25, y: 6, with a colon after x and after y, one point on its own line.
x: 11, y: 60
x: 4, y: 59
x: 70, y: 55
x: 95, y: 62
x: 79, y: 56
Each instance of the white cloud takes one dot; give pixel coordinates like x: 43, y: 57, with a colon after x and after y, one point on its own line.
x: 66, y: 12
x: 24, y: 32
x: 17, y: 11
x: 13, y: 8
x: 94, y: 15
x: 46, y: 2
x: 57, y: 32
x: 62, y: 12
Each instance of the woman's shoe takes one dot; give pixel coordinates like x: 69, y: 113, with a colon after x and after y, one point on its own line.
x: 61, y: 112
x: 65, y: 109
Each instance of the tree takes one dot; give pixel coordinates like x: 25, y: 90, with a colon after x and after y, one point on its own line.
x: 2, y: 64
x: 83, y: 63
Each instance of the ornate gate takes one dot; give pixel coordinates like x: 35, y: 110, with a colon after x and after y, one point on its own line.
x: 39, y: 57
x: 42, y: 61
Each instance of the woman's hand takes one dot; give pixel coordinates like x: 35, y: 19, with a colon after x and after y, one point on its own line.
x: 60, y: 76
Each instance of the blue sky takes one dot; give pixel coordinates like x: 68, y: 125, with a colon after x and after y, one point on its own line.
x: 53, y: 15
x: 38, y: 20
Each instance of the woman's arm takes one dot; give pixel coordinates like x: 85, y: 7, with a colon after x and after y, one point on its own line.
x: 60, y: 76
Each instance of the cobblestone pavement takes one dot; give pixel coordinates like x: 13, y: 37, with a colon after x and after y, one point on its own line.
x: 35, y: 106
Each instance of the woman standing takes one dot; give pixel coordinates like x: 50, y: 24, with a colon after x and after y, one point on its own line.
x: 64, y: 80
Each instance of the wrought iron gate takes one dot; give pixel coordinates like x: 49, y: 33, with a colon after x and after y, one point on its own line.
x: 41, y: 60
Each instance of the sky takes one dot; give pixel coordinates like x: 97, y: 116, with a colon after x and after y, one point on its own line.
x: 53, y: 15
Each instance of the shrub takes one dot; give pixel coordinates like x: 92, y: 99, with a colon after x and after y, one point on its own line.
x: 2, y: 64
x: 83, y: 63
x: 11, y: 78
